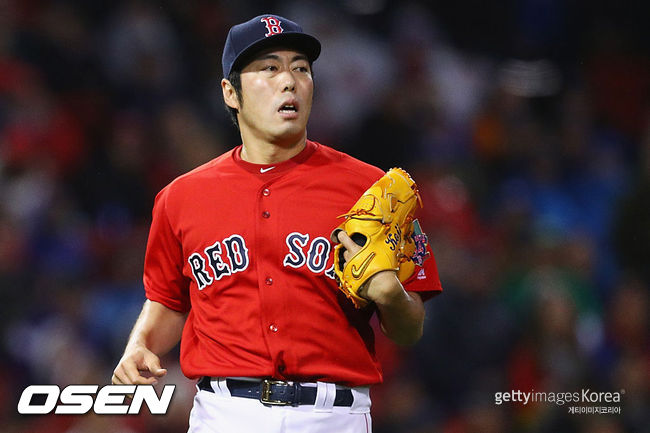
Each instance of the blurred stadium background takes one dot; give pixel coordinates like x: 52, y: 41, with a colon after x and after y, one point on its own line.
x: 525, y: 122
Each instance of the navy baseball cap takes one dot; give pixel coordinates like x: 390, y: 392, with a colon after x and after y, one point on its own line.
x: 262, y: 32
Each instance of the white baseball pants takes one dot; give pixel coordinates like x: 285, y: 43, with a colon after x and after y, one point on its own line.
x: 219, y: 412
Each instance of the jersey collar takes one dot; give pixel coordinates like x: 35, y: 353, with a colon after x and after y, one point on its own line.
x: 271, y: 170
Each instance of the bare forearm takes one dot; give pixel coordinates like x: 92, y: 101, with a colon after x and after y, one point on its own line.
x: 158, y: 328
x: 156, y: 331
x: 403, y: 323
x: 401, y: 313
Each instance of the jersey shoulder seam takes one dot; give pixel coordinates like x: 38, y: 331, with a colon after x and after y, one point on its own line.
x: 210, y: 165
x: 351, y: 164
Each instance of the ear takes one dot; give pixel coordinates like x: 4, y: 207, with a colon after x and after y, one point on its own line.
x: 229, y: 94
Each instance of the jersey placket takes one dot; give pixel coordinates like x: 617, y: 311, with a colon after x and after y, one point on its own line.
x: 272, y: 297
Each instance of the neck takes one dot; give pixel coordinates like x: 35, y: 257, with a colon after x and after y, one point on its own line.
x: 263, y: 152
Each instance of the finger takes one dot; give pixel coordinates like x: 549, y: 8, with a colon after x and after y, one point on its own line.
x: 133, y: 376
x: 147, y: 380
x: 143, y: 380
x: 153, y: 365
x: 347, y: 242
x: 120, y: 377
x: 115, y: 380
x: 130, y: 373
x: 334, y: 237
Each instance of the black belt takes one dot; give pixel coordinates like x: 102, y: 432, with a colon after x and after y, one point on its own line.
x: 277, y: 392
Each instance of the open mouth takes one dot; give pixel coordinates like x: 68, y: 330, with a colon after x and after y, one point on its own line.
x: 288, y: 108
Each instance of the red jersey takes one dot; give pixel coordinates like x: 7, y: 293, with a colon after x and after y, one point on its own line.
x: 245, y: 249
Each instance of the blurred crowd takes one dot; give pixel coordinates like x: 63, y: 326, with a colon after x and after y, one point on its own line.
x: 525, y: 123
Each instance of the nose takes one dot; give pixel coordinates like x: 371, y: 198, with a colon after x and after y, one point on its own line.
x: 289, y: 82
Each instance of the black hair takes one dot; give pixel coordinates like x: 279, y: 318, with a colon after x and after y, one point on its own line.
x: 235, y: 81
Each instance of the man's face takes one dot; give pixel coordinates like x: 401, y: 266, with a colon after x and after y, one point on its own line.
x: 277, y: 91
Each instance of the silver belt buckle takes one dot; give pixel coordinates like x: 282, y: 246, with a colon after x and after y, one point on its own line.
x: 265, y: 396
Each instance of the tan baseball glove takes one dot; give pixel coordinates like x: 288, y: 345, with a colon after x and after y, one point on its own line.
x: 381, y: 222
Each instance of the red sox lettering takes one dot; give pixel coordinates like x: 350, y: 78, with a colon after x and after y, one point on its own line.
x: 231, y: 255
x: 237, y: 254
x: 317, y: 254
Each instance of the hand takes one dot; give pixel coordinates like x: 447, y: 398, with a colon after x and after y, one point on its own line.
x: 401, y: 313
x: 384, y: 287
x: 138, y: 366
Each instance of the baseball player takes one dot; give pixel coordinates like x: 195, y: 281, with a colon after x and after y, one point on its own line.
x: 239, y: 263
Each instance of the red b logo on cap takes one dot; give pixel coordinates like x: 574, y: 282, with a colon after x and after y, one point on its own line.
x: 272, y: 25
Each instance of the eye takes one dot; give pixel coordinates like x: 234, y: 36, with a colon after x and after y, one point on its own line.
x: 301, y: 68
x: 270, y: 68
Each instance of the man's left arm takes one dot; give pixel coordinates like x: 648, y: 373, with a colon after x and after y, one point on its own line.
x: 401, y: 313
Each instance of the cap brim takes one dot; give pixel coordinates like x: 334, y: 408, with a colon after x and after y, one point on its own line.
x: 302, y: 42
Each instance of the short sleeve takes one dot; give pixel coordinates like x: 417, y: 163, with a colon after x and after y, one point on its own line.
x: 425, y: 280
x: 163, y: 278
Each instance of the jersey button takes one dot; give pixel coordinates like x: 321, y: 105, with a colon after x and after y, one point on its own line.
x: 269, y: 281
x: 266, y: 214
x: 273, y: 328
x: 266, y: 192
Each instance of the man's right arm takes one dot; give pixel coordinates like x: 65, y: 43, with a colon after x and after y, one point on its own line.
x: 157, y: 330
